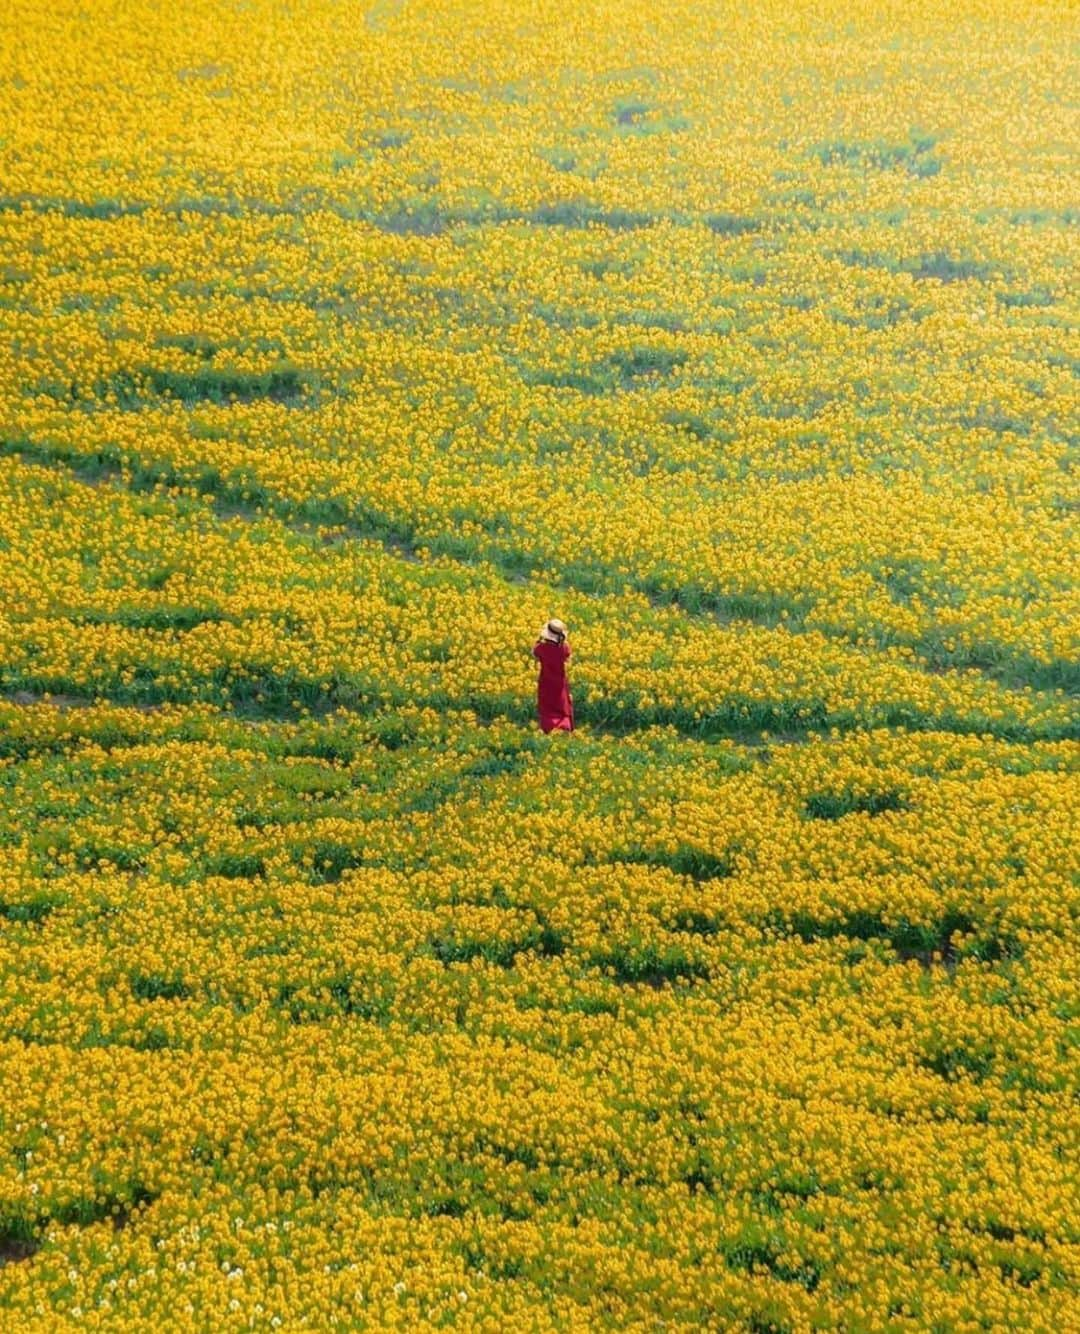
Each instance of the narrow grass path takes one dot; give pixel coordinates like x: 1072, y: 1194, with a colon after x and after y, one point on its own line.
x: 245, y: 498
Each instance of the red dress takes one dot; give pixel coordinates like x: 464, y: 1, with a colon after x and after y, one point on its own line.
x: 553, y: 702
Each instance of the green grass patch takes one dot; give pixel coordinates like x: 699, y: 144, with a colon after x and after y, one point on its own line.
x: 579, y: 214
x: 907, y: 939
x: 343, y: 994
x: 237, y: 866
x: 912, y: 155
x: 451, y: 948
x: 835, y: 805
x: 158, y: 986
x: 32, y: 911
x: 698, y: 863
x: 649, y: 963
x: 731, y: 224
x: 757, y: 1248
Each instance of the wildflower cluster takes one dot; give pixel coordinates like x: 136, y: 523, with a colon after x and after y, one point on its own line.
x: 342, y: 345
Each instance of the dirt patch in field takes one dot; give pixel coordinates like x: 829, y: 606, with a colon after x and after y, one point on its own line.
x: 13, y: 1250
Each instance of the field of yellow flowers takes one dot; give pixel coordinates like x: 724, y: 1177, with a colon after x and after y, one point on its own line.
x: 340, y: 345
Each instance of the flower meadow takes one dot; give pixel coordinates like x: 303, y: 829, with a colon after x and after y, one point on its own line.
x: 341, y: 344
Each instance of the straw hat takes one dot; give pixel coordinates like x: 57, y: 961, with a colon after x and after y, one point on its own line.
x: 554, y: 632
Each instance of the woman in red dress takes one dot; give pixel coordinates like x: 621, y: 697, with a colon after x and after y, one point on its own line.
x: 553, y: 702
